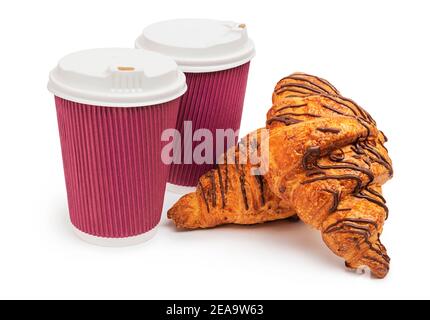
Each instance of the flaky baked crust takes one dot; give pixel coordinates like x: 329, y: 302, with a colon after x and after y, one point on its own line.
x: 337, y: 190
x: 230, y: 194
x: 327, y: 163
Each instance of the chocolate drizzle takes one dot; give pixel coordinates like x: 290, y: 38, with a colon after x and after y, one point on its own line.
x: 226, y: 172
x: 260, y: 182
x: 329, y: 130
x: 286, y: 120
x: 336, y: 199
x: 310, y: 163
x: 292, y: 88
x: 322, y: 89
x: 323, y: 81
x: 311, y: 173
x: 292, y: 107
x: 299, y: 114
x: 384, y: 263
x: 337, y: 155
x: 298, y: 76
x: 356, y: 109
x: 379, y: 158
x: 334, y: 110
x: 361, y: 229
x: 355, y: 220
x: 288, y: 86
x: 221, y: 186
x: 213, y: 189
x: 243, y: 189
x: 310, y: 158
x: 204, y: 196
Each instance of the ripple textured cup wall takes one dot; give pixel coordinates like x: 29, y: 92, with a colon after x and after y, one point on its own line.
x: 114, y: 175
x: 214, y: 100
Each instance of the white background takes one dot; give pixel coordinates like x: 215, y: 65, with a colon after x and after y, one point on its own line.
x: 376, y: 52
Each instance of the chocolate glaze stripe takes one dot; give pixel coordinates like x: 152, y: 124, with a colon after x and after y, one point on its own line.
x: 382, y: 163
x: 354, y: 220
x: 341, y: 103
x: 349, y: 167
x: 366, y: 161
x: 381, y: 159
x: 336, y: 199
x: 377, y: 194
x: 293, y: 90
x: 382, y: 252
x: 299, y: 114
x: 337, y: 155
x: 287, y: 121
x: 354, y: 110
x: 310, y: 158
x: 292, y: 107
x: 350, y: 225
x: 340, y: 177
x: 295, y: 97
x: 377, y: 202
x: 334, y: 110
x: 382, y: 249
x: 323, y: 90
x: 366, y: 240
x: 310, y: 161
x: 313, y: 77
x: 260, y: 182
x: 329, y: 130
x: 221, y: 186
x: 357, y: 149
x: 322, y: 80
x: 315, y: 172
x: 363, y: 112
x: 357, y: 191
x: 385, y: 264
x: 350, y: 162
x: 243, y: 189
x: 213, y: 188
x: 382, y: 145
x: 365, y: 124
x: 296, y: 85
x: 226, y: 172
x: 367, y: 114
x: 204, y: 196
x: 365, y: 187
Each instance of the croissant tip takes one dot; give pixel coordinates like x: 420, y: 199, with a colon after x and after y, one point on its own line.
x: 376, y: 273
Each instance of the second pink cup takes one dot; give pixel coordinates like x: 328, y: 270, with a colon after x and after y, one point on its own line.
x: 215, y: 57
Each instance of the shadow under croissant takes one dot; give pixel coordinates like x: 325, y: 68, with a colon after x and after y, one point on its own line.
x: 285, y: 234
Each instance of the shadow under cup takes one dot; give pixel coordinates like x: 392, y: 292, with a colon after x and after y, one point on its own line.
x: 115, y: 178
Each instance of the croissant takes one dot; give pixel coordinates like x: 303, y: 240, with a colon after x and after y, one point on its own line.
x: 230, y: 194
x: 338, y: 193
x: 327, y: 163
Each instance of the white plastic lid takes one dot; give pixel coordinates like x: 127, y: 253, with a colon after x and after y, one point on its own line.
x: 117, y: 78
x: 199, y: 45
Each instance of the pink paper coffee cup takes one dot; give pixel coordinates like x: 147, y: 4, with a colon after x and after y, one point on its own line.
x: 215, y: 57
x: 110, y: 125
x: 213, y: 101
